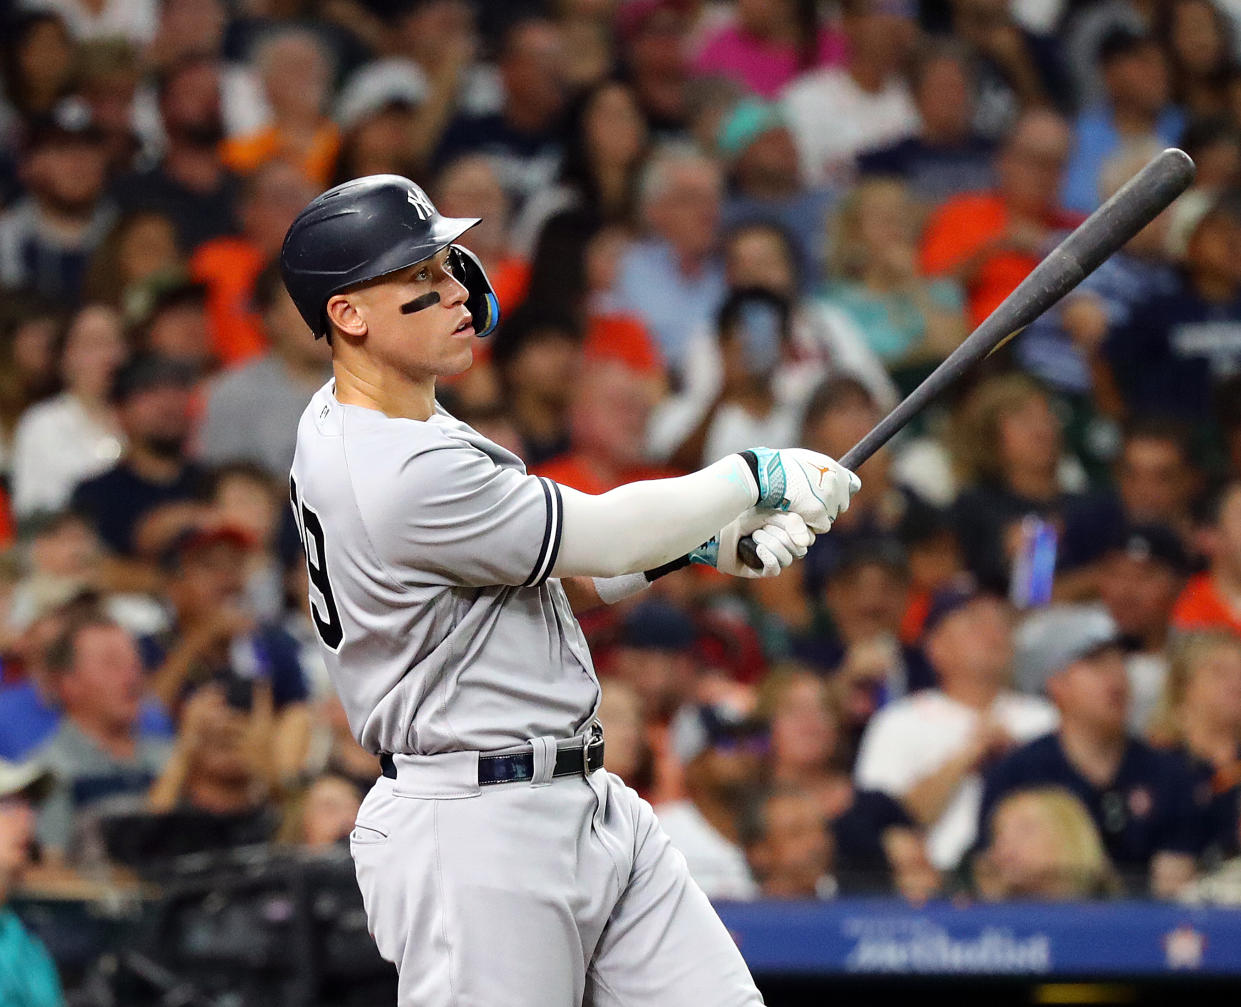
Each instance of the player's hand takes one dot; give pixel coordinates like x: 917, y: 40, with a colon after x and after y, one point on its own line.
x: 803, y: 482
x: 779, y: 539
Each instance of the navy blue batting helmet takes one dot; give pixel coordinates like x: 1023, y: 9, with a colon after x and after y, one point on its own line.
x: 369, y: 227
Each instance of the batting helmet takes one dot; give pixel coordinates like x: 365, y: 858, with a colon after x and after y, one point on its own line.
x: 367, y: 228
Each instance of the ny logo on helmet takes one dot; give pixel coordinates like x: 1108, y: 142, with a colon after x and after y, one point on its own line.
x: 422, y: 206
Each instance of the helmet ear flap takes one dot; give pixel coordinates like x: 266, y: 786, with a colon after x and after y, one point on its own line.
x: 481, y: 302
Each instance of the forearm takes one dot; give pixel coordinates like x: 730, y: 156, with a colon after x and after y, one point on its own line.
x: 644, y: 525
x: 166, y: 790
x: 927, y: 799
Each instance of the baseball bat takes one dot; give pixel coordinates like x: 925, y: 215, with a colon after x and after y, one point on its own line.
x: 1136, y: 204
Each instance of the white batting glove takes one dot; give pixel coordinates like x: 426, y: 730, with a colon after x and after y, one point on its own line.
x: 804, y: 482
x: 779, y: 539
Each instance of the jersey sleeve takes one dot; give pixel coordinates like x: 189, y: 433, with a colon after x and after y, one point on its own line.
x: 454, y: 516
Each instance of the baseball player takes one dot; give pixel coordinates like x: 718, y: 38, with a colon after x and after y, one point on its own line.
x: 498, y: 863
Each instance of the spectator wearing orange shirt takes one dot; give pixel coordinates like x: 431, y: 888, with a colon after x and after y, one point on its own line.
x: 611, y: 405
x: 1212, y: 600
x: 296, y: 70
x: 990, y: 241
x: 230, y: 265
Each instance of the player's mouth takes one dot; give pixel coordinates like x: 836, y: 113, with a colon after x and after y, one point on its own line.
x: 465, y: 328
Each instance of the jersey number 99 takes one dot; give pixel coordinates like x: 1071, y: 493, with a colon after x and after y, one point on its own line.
x: 326, y: 617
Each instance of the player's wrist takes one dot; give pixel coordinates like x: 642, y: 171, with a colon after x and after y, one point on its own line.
x: 766, y: 468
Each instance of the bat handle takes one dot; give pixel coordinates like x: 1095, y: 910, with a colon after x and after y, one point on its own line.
x: 851, y: 459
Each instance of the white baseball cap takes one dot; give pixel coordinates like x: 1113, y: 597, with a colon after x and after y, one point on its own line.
x: 377, y: 85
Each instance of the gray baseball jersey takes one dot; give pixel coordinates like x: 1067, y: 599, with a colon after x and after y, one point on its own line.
x: 429, y: 550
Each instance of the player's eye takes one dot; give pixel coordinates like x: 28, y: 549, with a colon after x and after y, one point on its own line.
x: 423, y: 275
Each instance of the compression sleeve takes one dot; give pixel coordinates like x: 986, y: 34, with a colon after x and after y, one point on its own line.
x: 643, y: 525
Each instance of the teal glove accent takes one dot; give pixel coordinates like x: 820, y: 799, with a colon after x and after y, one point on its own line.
x: 707, y: 554
x: 772, y: 479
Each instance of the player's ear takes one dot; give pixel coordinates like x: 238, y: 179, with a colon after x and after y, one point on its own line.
x: 344, y: 314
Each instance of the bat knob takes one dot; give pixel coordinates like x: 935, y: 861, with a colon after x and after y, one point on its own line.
x: 748, y: 552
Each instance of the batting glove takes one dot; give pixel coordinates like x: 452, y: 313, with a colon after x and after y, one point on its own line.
x: 802, y: 482
x: 779, y: 539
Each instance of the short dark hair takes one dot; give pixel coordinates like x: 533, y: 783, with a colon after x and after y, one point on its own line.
x: 831, y: 394
x: 1120, y: 42
x: 62, y: 651
x: 1162, y: 428
x: 268, y: 286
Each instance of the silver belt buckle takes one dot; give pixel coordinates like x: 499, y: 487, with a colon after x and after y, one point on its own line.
x: 593, y: 744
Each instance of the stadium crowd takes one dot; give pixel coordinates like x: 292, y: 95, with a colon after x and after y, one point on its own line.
x: 1012, y: 669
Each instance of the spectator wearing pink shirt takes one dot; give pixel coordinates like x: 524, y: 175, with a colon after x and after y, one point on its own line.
x: 768, y: 44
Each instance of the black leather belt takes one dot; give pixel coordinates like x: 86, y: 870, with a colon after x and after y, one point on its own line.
x: 519, y: 767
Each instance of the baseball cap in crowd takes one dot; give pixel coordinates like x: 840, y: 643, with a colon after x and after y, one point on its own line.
x: 68, y: 120
x: 146, y: 371
x: 953, y: 597
x: 195, y: 539
x: 749, y: 119
x: 379, y: 85
x: 656, y: 625
x: 25, y: 779
x: 1051, y: 639
x: 636, y: 17
x: 1153, y: 543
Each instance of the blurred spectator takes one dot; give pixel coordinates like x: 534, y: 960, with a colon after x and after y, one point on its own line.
x: 864, y: 600
x: 869, y: 100
x: 768, y: 44
x: 334, y: 748
x: 153, y: 405
x: 874, y: 843
x: 629, y: 753
x: 1140, y: 577
x: 706, y: 825
x: 47, y: 237
x: 99, y: 752
x: 38, y: 63
x: 1137, y: 110
x: 537, y: 361
x: 1008, y: 449
x: 1044, y: 845
x: 1143, y: 801
x: 988, y: 242
x: 877, y: 283
x: 524, y: 137
x: 1199, y: 42
x: 229, y: 265
x: 1064, y: 346
x: 63, y: 440
x: 29, y: 333
x: 1086, y: 27
x: 1017, y: 70
x: 1212, y: 600
x: 252, y: 411
x: 946, y: 157
x: 789, y: 847
x: 296, y: 69
x: 747, y: 379
x: 29, y: 978
x: 672, y: 280
x: 168, y: 315
x: 608, y: 415
x: 110, y: 71
x: 765, y: 184
x: 604, y: 151
x: 1200, y: 718
x: 928, y: 749
x: 377, y: 112
x: 1155, y: 481
x: 221, y: 764
x: 326, y: 814
x: 140, y: 250
x: 189, y: 184
x: 248, y: 498
x: 469, y: 187
x: 1184, y: 341
x: 654, y: 52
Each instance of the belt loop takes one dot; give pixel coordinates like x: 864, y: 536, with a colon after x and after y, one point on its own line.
x: 544, y: 761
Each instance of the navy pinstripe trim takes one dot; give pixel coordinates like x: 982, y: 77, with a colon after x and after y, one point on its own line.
x: 551, y: 534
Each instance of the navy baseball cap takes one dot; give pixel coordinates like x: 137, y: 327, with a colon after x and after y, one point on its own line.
x: 656, y: 625
x: 1153, y: 543
x: 953, y: 597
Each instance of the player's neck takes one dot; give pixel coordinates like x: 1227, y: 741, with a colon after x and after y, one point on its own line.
x: 385, y: 390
